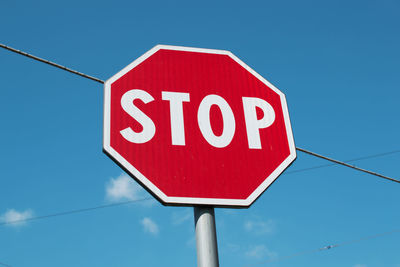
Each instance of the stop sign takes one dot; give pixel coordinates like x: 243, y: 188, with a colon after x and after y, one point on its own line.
x: 197, y: 126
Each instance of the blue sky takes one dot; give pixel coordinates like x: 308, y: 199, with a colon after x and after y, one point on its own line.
x: 337, y: 63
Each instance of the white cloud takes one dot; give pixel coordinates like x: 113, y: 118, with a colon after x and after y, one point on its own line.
x: 259, y: 252
x: 16, y: 218
x: 123, y: 188
x: 179, y: 218
x: 260, y: 227
x: 149, y: 226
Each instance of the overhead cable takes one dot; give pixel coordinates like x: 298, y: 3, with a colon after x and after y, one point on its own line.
x: 76, y: 211
x: 51, y: 63
x: 328, y: 247
x: 101, y: 81
x: 347, y: 165
x: 350, y: 160
x: 133, y: 201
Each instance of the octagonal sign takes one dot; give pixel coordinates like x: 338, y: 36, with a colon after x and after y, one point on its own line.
x: 197, y: 127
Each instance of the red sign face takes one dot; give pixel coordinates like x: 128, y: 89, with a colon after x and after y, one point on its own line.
x: 197, y: 126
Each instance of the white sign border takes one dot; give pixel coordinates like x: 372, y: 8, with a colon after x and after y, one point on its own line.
x: 187, y: 200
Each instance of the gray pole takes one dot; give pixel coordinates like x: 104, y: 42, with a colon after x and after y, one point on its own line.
x: 206, y: 237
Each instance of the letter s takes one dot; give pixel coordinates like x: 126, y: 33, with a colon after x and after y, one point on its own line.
x: 149, y: 129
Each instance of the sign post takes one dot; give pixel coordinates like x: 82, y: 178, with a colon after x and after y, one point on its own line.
x: 206, y: 237
x: 197, y: 127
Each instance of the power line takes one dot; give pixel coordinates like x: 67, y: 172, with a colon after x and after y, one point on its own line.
x: 350, y: 160
x: 51, y: 63
x: 133, y: 201
x: 310, y: 251
x: 101, y: 81
x: 76, y: 211
x: 3, y: 264
x: 347, y: 165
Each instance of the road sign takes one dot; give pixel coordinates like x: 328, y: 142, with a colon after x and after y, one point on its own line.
x: 197, y: 126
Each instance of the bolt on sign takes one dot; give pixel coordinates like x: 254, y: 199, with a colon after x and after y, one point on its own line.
x: 197, y: 127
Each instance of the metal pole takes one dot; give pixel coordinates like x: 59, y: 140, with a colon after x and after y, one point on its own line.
x: 206, y: 237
